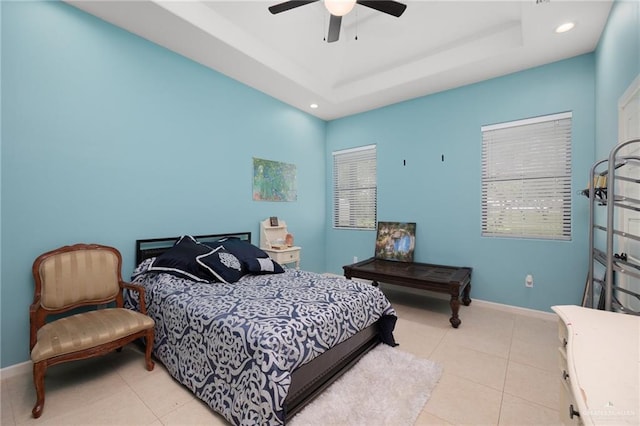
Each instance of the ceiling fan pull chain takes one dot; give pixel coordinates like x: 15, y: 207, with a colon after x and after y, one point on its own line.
x: 357, y: 22
x: 324, y: 27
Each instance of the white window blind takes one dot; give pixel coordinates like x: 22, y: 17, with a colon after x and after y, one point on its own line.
x: 355, y: 188
x: 526, y: 178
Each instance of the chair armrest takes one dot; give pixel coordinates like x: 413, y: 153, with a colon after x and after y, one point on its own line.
x: 33, y: 308
x: 140, y: 290
x: 35, y: 321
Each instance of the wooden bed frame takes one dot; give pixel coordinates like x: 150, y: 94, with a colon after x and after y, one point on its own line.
x: 310, y: 379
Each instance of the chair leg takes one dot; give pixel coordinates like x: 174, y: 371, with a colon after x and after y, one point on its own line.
x: 39, y: 369
x: 149, y: 347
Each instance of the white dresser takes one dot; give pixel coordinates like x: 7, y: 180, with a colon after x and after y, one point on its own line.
x: 599, y: 357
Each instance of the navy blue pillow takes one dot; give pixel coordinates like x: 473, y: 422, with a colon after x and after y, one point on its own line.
x: 262, y: 266
x: 242, y: 249
x: 250, y: 256
x: 222, y: 265
x: 181, y: 260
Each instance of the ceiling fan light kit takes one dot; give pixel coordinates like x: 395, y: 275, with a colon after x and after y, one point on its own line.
x: 339, y: 8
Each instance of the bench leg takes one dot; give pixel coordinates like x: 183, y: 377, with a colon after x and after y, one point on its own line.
x: 465, y: 295
x: 466, y: 299
x: 455, y: 307
x: 454, y: 290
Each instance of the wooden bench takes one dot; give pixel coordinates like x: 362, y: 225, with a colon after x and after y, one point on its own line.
x: 452, y: 280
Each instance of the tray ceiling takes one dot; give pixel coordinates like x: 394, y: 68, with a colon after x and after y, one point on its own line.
x: 433, y: 46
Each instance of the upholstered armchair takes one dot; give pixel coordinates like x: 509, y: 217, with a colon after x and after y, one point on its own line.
x: 82, y: 276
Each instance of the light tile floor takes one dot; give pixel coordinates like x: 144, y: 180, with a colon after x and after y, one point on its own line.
x: 500, y: 368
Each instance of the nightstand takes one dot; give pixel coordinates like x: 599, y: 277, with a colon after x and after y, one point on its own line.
x: 272, y: 242
x: 285, y: 255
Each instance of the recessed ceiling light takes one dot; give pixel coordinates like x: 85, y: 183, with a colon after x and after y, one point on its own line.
x: 563, y: 28
x: 313, y: 106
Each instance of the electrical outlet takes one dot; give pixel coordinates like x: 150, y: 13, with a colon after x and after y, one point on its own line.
x: 528, y: 280
x: 355, y: 259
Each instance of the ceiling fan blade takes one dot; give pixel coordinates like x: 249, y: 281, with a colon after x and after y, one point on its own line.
x: 393, y: 8
x: 334, y: 28
x: 288, y: 5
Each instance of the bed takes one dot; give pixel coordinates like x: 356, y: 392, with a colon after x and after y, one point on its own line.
x: 258, y: 348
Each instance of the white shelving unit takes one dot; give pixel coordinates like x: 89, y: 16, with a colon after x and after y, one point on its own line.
x: 615, y: 186
x: 273, y: 242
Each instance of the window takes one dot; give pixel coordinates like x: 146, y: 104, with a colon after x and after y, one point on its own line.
x: 526, y: 178
x: 354, y: 188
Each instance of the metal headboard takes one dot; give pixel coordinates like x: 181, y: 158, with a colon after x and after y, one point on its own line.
x: 154, y: 247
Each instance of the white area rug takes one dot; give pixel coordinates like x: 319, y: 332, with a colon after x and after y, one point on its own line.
x: 386, y: 387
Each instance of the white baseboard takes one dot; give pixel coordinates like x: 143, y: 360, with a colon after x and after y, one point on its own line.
x: 16, y: 370
x: 550, y: 316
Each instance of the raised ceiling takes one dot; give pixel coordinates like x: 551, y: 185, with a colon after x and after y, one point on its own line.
x: 433, y: 46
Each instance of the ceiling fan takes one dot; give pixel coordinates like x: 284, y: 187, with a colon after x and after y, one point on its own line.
x: 339, y: 8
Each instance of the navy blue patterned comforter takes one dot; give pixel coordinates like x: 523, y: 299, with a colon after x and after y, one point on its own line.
x: 235, y: 345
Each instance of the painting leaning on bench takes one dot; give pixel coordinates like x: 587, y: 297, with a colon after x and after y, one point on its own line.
x: 396, y: 241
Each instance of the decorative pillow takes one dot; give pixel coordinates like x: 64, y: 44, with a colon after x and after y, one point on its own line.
x: 262, y: 266
x: 222, y: 265
x: 251, y: 257
x: 181, y: 260
x: 242, y: 249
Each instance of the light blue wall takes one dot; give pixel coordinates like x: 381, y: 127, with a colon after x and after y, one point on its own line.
x: 444, y: 197
x: 109, y: 138
x: 1, y: 121
x: 617, y: 65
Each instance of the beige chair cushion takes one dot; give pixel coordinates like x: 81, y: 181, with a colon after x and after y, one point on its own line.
x: 86, y: 330
x: 80, y: 275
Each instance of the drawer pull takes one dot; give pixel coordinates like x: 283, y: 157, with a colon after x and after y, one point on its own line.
x: 573, y: 412
x: 565, y: 375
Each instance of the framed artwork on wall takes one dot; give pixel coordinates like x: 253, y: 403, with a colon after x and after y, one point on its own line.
x: 396, y: 241
x: 274, y: 181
